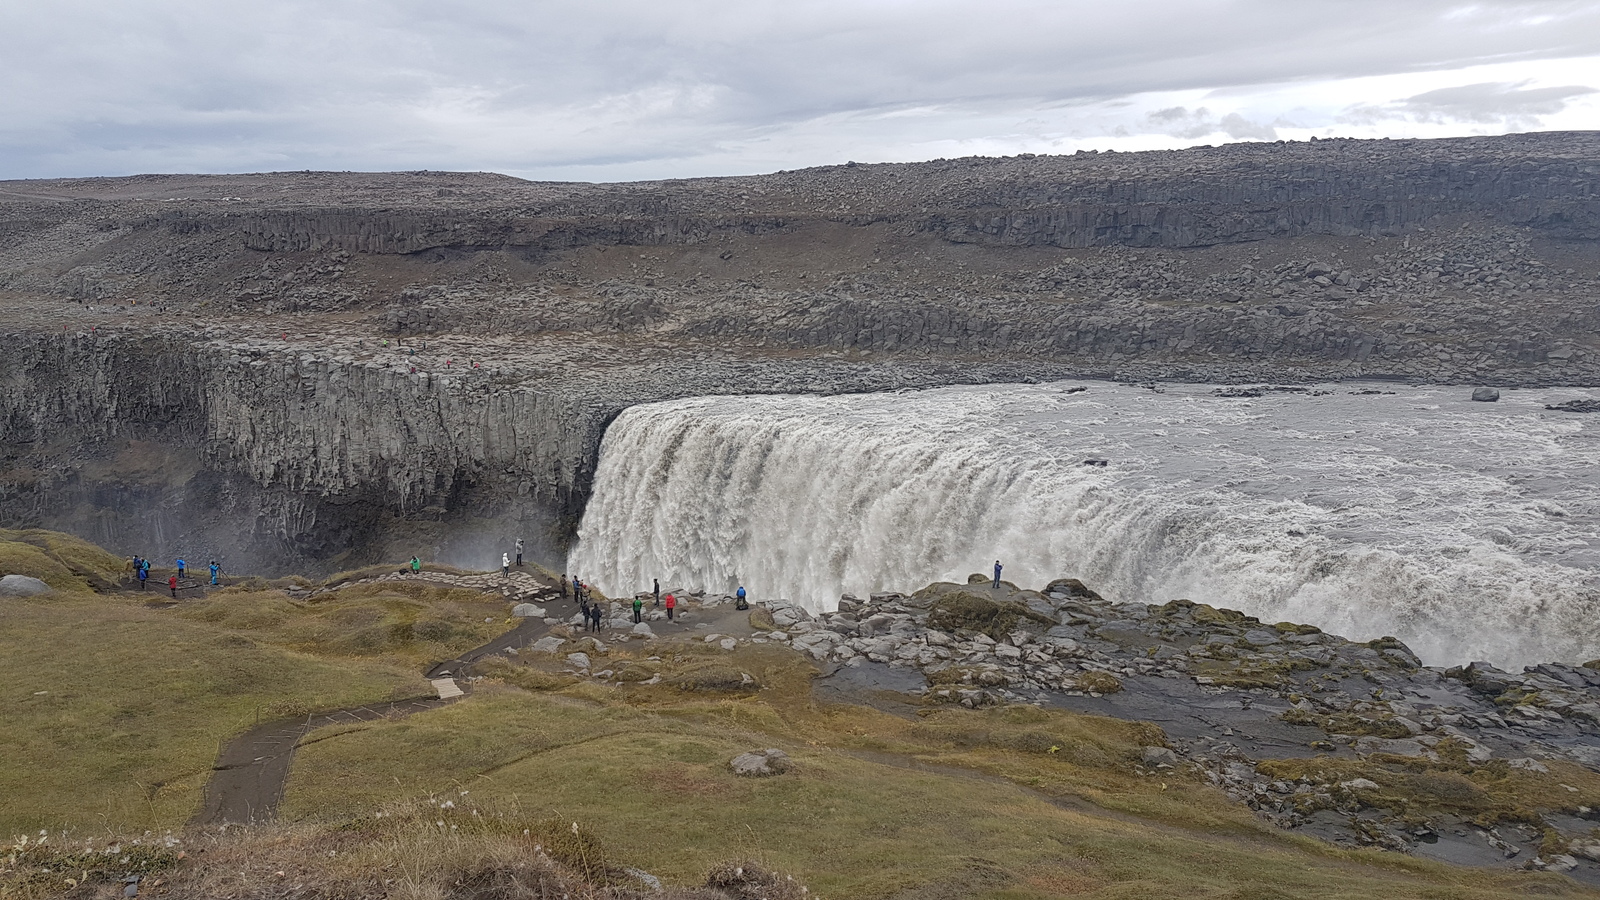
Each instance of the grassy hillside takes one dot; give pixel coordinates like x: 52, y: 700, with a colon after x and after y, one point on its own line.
x: 115, y: 710
x: 1007, y: 803
x: 540, y: 784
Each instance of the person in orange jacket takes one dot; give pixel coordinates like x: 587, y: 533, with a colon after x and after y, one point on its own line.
x: 172, y: 582
x: 671, y: 603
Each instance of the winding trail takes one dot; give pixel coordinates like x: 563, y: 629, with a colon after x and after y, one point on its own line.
x: 248, y: 780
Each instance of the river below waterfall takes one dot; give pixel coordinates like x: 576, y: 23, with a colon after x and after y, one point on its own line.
x: 1466, y: 529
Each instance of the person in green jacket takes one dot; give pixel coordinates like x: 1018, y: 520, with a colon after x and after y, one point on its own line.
x: 416, y: 565
x: 638, y: 609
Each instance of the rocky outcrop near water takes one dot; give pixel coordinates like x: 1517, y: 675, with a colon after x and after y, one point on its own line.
x: 1354, y: 742
x: 201, y: 360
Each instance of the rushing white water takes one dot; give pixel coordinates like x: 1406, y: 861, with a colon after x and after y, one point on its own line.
x: 1465, y: 529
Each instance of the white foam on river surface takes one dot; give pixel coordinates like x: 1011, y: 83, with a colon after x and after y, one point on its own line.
x: 1466, y: 529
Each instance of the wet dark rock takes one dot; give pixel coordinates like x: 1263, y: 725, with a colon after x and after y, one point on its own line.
x: 1485, y: 395
x: 1577, y: 406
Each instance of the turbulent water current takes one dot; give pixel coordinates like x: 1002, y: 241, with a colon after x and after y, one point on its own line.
x: 1466, y: 529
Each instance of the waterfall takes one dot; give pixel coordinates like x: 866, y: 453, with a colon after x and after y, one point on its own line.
x: 1408, y: 515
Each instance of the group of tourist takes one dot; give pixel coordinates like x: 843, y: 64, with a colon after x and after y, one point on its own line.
x: 141, y: 571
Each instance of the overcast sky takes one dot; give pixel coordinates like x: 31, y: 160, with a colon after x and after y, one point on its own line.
x: 607, y: 90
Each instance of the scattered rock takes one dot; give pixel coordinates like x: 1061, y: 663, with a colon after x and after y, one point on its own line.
x: 1159, y: 756
x: 22, y: 586
x: 761, y: 763
x: 1577, y: 406
x: 1486, y: 395
x: 547, y: 644
x: 527, y: 611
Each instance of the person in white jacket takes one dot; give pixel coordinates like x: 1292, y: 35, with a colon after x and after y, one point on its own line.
x: 505, y: 565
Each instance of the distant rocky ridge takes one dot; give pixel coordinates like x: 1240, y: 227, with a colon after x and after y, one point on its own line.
x: 234, y: 326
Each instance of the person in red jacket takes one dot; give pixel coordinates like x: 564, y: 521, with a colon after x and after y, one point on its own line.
x: 172, y: 582
x: 671, y: 604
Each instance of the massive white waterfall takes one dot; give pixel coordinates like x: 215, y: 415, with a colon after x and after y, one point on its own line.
x: 1466, y: 529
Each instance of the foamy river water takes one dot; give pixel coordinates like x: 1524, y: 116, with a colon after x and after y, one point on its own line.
x: 1466, y: 529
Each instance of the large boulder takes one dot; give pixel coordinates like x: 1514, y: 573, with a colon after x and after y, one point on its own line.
x: 1486, y: 395
x: 548, y: 644
x: 22, y: 586
x: 761, y: 763
x: 1072, y: 588
x: 527, y: 611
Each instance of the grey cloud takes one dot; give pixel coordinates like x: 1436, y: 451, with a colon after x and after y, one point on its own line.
x: 552, y: 87
x: 1181, y: 122
x: 1508, y: 104
x: 1487, y: 103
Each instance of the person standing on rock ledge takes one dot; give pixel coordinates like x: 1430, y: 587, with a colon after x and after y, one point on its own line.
x: 416, y: 565
x: 742, y: 602
x: 215, y: 571
x: 655, y: 588
x: 672, y: 604
x: 519, y: 553
x: 638, y: 609
x: 505, y: 566
x: 997, y: 574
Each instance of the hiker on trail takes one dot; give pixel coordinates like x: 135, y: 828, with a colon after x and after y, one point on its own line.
x: 215, y: 571
x: 416, y: 565
x: 599, y: 616
x: 505, y: 565
x: 519, y: 553
x: 144, y: 572
x: 182, y: 569
x: 656, y: 587
x: 742, y: 602
x: 638, y: 609
x: 583, y: 607
x: 577, y: 589
x: 997, y: 573
x: 172, y: 582
x: 563, y: 585
x: 672, y: 604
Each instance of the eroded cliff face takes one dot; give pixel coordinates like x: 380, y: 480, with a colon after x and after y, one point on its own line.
x: 179, y: 444
x: 200, y: 361
x: 332, y: 452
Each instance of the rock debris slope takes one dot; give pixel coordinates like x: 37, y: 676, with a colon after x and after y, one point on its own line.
x: 318, y: 368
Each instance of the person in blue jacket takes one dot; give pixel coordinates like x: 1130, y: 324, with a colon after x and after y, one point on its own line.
x: 182, y: 568
x: 742, y: 603
x: 215, y: 571
x: 997, y: 573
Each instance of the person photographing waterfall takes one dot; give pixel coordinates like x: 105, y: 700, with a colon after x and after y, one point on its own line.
x: 997, y: 574
x: 741, y: 603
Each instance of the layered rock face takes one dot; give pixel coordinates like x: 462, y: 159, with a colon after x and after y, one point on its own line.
x: 202, y: 358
